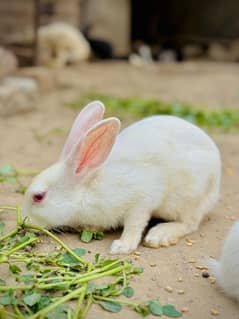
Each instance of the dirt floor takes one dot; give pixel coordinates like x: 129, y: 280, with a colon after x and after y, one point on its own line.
x: 201, y: 84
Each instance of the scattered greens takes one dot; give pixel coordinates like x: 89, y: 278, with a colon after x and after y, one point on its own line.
x: 12, y: 175
x: 44, y: 284
x: 86, y: 235
x: 135, y: 107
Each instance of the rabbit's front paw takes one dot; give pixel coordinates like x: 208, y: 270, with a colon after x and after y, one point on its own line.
x: 120, y: 247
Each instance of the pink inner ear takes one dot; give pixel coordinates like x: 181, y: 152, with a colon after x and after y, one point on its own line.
x: 96, y: 146
x: 90, y: 115
x: 88, y: 157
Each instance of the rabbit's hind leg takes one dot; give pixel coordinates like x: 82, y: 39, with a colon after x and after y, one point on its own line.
x: 166, y: 234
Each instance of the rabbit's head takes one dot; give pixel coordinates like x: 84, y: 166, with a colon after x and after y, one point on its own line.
x: 55, y: 198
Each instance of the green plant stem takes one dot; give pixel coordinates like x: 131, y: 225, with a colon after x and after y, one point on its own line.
x: 79, y: 303
x: 42, y: 313
x: 18, y: 312
x: 10, y: 234
x: 90, y: 277
x: 8, y: 208
x: 29, y: 172
x: 63, y: 245
x: 19, y: 218
x: 41, y: 280
x: 7, y: 288
x: 124, y: 302
x: 11, y: 315
x: 87, y: 307
x: 28, y: 242
x: 98, y: 270
x: 69, y: 313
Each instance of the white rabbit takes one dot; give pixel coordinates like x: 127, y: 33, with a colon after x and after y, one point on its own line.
x: 161, y: 166
x: 226, y: 270
x: 61, y: 43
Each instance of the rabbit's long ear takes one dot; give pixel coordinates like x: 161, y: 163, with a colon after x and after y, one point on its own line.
x: 95, y: 146
x: 89, y: 116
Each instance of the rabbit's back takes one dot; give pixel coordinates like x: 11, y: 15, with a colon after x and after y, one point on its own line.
x: 163, y: 136
x: 179, y: 157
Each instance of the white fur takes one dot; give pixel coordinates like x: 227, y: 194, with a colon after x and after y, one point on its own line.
x: 161, y: 166
x: 61, y: 43
x: 226, y: 270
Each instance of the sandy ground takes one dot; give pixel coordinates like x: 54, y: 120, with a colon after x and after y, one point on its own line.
x: 201, y: 84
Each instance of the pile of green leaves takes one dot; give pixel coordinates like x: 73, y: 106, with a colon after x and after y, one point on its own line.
x: 136, y: 107
x: 61, y: 284
x: 12, y: 175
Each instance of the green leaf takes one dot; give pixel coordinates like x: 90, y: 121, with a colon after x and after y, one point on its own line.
x: 44, y: 302
x: 2, y: 282
x: 11, y: 179
x: 97, y: 258
x: 106, y: 262
x: 31, y: 300
x: 137, y: 270
x: 2, y: 224
x: 142, y: 309
x: 86, y: 236
x: 110, y: 306
x: 155, y: 307
x: 106, y: 290
x: 7, y: 170
x: 26, y: 278
x: 128, y: 292
x: 98, y: 235
x: 91, y: 288
x: 8, y: 299
x: 171, y: 311
x: 14, y: 269
x: 67, y: 258
x: 21, y: 189
x: 59, y: 312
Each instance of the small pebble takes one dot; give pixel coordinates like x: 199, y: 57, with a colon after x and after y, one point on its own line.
x: 137, y: 253
x: 214, y: 312
x: 169, y: 289
x: 152, y: 265
x: 188, y: 240
x: 189, y: 244
x: 196, y: 275
x: 181, y: 292
x: 230, y: 171
x: 192, y: 261
x: 201, y: 267
x: 185, y: 309
x: 180, y: 279
x: 212, y: 280
x: 136, y: 258
x: 205, y: 274
x: 202, y: 235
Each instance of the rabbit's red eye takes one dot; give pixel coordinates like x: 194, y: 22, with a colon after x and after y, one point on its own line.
x: 38, y: 197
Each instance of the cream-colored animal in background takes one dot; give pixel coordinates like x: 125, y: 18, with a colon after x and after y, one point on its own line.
x: 60, y: 44
x: 161, y: 166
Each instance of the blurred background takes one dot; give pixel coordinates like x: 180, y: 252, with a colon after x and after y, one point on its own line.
x: 181, y: 54
x: 170, y: 31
